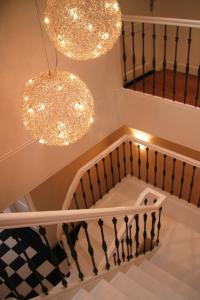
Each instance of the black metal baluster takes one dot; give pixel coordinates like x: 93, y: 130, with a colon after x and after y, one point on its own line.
x: 75, y: 199
x: 114, y: 256
x: 159, y: 226
x: 147, y: 165
x: 105, y: 175
x: 182, y: 180
x: 52, y: 256
x: 124, y: 52
x: 83, y: 193
x: 137, y: 241
x: 127, y: 237
x: 112, y: 169
x: 197, y: 90
x: 153, y: 216
x: 66, y: 255
x: 133, y: 53
x: 145, y: 232
x: 72, y: 250
x: 139, y: 163
x: 72, y: 225
x: 145, y: 201
x: 118, y: 164
x: 124, y: 159
x: 164, y: 62
x: 90, y: 248
x: 114, y: 220
x: 91, y: 186
x: 30, y: 263
x: 123, y: 253
x: 198, y: 204
x: 8, y: 282
x: 143, y: 58
x: 104, y: 245
x: 131, y: 157
x: 187, y: 68
x: 191, y: 183
x: 154, y: 58
x: 130, y: 242
x: 98, y: 180
x: 173, y: 176
x: 175, y: 62
x: 164, y: 172
x: 155, y: 168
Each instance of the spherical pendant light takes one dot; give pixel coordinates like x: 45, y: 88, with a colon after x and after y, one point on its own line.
x: 83, y: 29
x: 57, y: 108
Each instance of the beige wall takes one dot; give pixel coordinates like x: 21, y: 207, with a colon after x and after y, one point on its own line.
x: 186, y: 9
x: 139, y: 7
x: 24, y: 163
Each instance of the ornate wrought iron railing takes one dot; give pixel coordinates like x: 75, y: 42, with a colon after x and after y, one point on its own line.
x: 158, y: 166
x: 41, y: 220
x: 139, y: 229
x: 160, y: 57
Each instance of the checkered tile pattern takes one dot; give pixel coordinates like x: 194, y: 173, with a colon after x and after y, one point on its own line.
x: 14, y: 262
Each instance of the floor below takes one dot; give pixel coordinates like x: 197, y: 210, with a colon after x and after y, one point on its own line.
x: 169, y: 84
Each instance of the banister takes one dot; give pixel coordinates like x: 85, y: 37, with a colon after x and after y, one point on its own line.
x: 112, y: 147
x: 26, y: 219
x: 162, y: 21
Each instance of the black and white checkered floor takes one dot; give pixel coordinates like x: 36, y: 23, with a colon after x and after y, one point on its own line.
x: 13, y: 261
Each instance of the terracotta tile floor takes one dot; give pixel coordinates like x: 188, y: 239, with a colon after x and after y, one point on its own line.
x: 180, y: 86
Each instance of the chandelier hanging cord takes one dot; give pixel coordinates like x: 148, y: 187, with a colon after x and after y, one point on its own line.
x: 42, y: 36
x: 56, y: 61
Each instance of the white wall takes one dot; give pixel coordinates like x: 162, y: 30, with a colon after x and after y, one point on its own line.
x: 161, y: 117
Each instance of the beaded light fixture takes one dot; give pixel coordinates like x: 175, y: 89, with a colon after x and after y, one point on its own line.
x: 57, y: 108
x: 83, y: 29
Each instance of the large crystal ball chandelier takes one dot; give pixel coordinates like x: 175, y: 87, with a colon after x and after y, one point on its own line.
x: 57, y: 108
x: 83, y: 29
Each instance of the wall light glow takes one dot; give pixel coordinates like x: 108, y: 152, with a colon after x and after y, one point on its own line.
x: 142, y: 136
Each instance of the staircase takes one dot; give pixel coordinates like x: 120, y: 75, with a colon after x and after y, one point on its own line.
x: 160, y: 274
x: 131, y: 244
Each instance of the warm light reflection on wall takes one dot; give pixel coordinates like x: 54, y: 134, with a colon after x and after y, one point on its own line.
x: 142, y: 136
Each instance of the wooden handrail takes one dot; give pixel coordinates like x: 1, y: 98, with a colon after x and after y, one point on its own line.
x: 162, y: 21
x: 19, y: 220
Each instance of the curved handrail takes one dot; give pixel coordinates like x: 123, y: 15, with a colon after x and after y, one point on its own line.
x: 162, y: 21
x: 26, y: 219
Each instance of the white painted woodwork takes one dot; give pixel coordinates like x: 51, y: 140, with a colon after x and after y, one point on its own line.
x: 162, y: 21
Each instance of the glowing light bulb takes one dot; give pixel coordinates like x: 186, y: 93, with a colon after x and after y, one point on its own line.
x: 73, y: 13
x: 26, y: 98
x: 115, y: 6
x: 30, y: 111
x: 46, y: 20
x: 104, y: 35
x: 41, y: 106
x: 90, y: 27
x: 79, y: 106
x: 42, y: 141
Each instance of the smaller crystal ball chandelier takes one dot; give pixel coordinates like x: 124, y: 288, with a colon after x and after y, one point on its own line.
x: 83, y: 29
x: 57, y: 108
